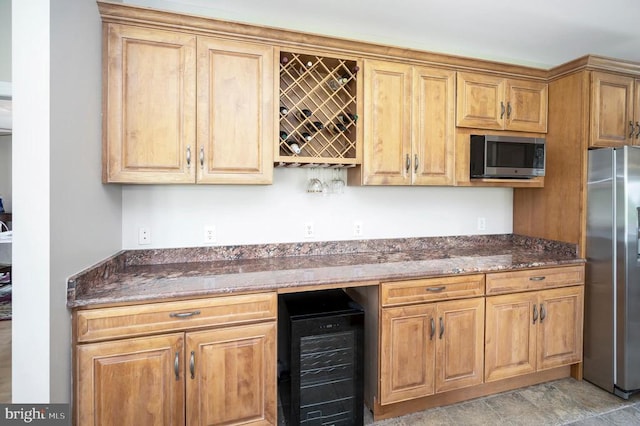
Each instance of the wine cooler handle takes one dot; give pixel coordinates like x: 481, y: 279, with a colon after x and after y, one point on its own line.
x: 543, y: 313
x: 535, y: 313
x: 192, y: 364
x: 201, y: 157
x: 441, y: 328
x: 188, y: 155
x: 433, y: 329
x: 176, y: 365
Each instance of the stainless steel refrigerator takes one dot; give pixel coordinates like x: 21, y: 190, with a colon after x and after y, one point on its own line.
x: 612, y: 292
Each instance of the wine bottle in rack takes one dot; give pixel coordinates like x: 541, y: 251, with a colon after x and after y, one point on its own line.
x: 347, y: 118
x: 283, y: 135
x: 284, y: 110
x: 284, y: 60
x: 293, y: 145
x: 305, y: 113
x: 306, y: 136
x: 338, y: 127
x: 315, y: 126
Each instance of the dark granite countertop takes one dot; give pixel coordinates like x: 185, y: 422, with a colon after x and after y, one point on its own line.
x: 135, y: 276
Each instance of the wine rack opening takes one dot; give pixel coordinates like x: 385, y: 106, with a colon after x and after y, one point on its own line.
x: 319, y: 110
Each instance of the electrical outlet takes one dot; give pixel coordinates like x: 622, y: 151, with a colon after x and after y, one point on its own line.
x: 144, y: 235
x: 308, y: 230
x: 357, y: 228
x: 482, y: 224
x: 209, y: 234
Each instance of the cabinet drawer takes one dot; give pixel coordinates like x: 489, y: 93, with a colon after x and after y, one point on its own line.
x: 429, y: 289
x: 129, y: 321
x: 509, y: 282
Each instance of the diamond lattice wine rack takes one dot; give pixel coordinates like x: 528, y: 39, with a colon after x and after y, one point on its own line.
x: 319, y: 111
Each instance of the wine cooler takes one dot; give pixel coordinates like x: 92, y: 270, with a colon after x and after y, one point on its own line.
x: 320, y: 358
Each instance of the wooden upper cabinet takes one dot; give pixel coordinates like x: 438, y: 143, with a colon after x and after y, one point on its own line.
x: 235, y: 112
x: 433, y: 126
x: 149, y: 105
x: 409, y: 129
x: 497, y: 103
x: 152, y: 133
x: 387, y: 123
x: 636, y: 112
x: 611, y: 110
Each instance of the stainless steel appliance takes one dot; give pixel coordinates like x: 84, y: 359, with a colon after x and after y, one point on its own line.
x: 612, y: 293
x: 506, y: 156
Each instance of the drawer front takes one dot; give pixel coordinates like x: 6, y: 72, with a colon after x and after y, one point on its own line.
x: 534, y: 279
x: 129, y: 321
x: 430, y: 289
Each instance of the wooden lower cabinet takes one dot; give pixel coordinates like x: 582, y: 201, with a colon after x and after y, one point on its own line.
x: 430, y: 348
x: 533, y: 331
x: 220, y: 376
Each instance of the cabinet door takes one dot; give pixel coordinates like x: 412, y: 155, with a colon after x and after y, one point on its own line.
x: 387, y: 127
x: 560, y: 328
x: 636, y: 112
x: 527, y: 106
x: 480, y: 101
x: 149, y: 105
x: 611, y: 110
x: 236, y: 92
x: 231, y: 375
x: 407, y: 352
x: 510, y: 339
x: 433, y: 126
x: 131, y: 382
x: 460, y: 342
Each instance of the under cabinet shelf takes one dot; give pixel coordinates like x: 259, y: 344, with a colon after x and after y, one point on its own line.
x: 319, y: 110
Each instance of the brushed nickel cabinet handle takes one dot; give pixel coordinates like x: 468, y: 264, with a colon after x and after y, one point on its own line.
x: 433, y: 329
x: 415, y: 163
x: 188, y: 155
x: 537, y: 278
x: 184, y: 314
x: 192, y: 364
x: 441, y: 327
x: 508, y: 109
x: 535, y: 313
x: 176, y: 365
x: 543, y: 313
x: 408, y: 163
x: 435, y: 289
x: 501, y: 109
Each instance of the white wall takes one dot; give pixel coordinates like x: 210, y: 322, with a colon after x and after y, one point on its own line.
x: 177, y: 215
x: 65, y: 219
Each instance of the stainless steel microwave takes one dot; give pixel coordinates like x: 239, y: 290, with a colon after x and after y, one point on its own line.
x: 513, y: 157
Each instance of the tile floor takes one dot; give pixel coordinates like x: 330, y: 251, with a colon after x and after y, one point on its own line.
x: 560, y: 402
